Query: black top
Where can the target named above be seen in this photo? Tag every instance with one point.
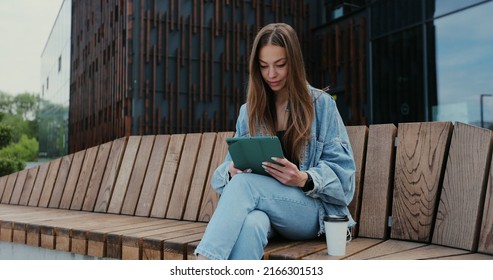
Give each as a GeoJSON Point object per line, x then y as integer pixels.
{"type": "Point", "coordinates": [309, 182]}
{"type": "Point", "coordinates": [287, 153]}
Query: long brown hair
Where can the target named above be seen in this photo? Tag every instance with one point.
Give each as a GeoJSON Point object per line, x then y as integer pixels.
{"type": "Point", "coordinates": [260, 98]}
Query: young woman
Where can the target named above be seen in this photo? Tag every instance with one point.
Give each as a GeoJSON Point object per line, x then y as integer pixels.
{"type": "Point", "coordinates": [317, 177]}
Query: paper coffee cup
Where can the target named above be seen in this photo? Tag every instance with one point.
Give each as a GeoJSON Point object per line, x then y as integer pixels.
{"type": "Point", "coordinates": [336, 228]}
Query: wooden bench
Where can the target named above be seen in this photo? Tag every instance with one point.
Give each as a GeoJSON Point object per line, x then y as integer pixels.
{"type": "Point", "coordinates": [426, 194]}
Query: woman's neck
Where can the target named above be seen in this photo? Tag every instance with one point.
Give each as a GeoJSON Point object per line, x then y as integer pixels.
{"type": "Point", "coordinates": [281, 99]}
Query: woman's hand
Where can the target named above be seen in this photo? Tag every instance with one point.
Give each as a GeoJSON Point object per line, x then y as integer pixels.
{"type": "Point", "coordinates": [233, 171]}
{"type": "Point", "coordinates": [286, 173]}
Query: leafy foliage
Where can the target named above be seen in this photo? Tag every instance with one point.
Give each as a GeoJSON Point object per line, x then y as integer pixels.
{"type": "Point", "coordinates": [26, 149]}
{"type": "Point", "coordinates": [18, 131]}
{"type": "Point", "coordinates": [6, 133]}
{"type": "Point", "coordinates": [8, 166]}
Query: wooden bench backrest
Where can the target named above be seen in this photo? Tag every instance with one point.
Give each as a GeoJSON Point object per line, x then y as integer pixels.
{"type": "Point", "coordinates": [420, 162]}
{"type": "Point", "coordinates": [160, 176]}
{"type": "Point", "coordinates": [461, 203]}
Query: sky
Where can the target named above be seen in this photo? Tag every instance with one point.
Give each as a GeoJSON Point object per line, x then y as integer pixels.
{"type": "Point", "coordinates": [25, 26]}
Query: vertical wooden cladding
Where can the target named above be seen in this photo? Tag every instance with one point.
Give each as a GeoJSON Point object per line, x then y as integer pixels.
{"type": "Point", "coordinates": [98, 72]}
{"type": "Point", "coordinates": [344, 46]}
{"type": "Point", "coordinates": [144, 67]}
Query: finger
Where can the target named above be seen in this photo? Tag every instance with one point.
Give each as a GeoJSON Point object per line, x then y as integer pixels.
{"type": "Point", "coordinates": [281, 161]}
{"type": "Point", "coordinates": [269, 166]}
{"type": "Point", "coordinates": [277, 174]}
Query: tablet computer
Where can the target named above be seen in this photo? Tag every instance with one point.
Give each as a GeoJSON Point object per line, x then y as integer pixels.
{"type": "Point", "coordinates": [250, 152]}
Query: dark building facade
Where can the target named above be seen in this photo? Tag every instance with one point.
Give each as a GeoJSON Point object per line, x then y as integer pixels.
{"type": "Point", "coordinates": [158, 67]}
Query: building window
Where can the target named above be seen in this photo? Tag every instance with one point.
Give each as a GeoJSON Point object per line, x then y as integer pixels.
{"type": "Point", "coordinates": [47, 83]}
{"type": "Point", "coordinates": [335, 9]}
{"type": "Point", "coordinates": [59, 63]}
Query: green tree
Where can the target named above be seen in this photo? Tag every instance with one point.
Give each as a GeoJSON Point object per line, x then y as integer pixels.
{"type": "Point", "coordinates": [6, 133]}
{"type": "Point", "coordinates": [25, 150]}
{"type": "Point", "coordinates": [8, 164]}
{"type": "Point", "coordinates": [26, 105]}
{"type": "Point", "coordinates": [18, 131]}
{"type": "Point", "coordinates": [6, 103]}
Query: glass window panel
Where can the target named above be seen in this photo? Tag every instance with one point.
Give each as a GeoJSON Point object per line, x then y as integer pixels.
{"type": "Point", "coordinates": [398, 80]}
{"type": "Point", "coordinates": [465, 65]}
{"type": "Point", "coordinates": [446, 6]}
{"type": "Point", "coordinates": [390, 15]}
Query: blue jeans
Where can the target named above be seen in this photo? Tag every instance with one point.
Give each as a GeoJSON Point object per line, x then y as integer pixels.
{"type": "Point", "coordinates": [251, 207]}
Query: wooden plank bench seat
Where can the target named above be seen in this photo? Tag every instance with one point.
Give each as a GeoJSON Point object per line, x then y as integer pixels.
{"type": "Point", "coordinates": [423, 191]}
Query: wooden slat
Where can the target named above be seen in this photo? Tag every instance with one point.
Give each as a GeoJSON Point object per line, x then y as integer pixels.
{"type": "Point", "coordinates": [120, 189]}
{"type": "Point", "coordinates": [114, 246]}
{"type": "Point", "coordinates": [165, 186]}
{"type": "Point", "coordinates": [191, 249]}
{"type": "Point", "coordinates": [423, 253]}
{"type": "Point", "coordinates": [70, 229]}
{"type": "Point", "coordinates": [28, 185]}
{"type": "Point", "coordinates": [99, 193]}
{"type": "Point", "coordinates": [3, 182]}
{"type": "Point", "coordinates": [153, 245]}
{"type": "Point", "coordinates": [467, 257]}
{"type": "Point", "coordinates": [385, 248]}
{"type": "Point", "coordinates": [38, 184]}
{"type": "Point", "coordinates": [176, 248]}
{"type": "Point", "coordinates": [27, 220]}
{"type": "Point", "coordinates": [9, 187]}
{"type": "Point", "coordinates": [101, 164]}
{"type": "Point", "coordinates": [84, 179]}
{"type": "Point", "coordinates": [61, 181]}
{"type": "Point", "coordinates": [461, 202]}
{"type": "Point", "coordinates": [99, 239]}
{"type": "Point", "coordinates": [72, 179]}
{"type": "Point", "coordinates": [377, 183]}
{"type": "Point", "coordinates": [184, 176]}
{"type": "Point", "coordinates": [49, 183]}
{"type": "Point", "coordinates": [199, 178]}
{"type": "Point", "coordinates": [276, 244]}
{"type": "Point", "coordinates": [19, 233]}
{"type": "Point", "coordinates": [486, 236]}
{"type": "Point", "coordinates": [357, 137]}
{"type": "Point", "coordinates": [299, 251]}
{"type": "Point", "coordinates": [96, 225]}
{"type": "Point", "coordinates": [18, 187]}
{"type": "Point", "coordinates": [210, 197]}
{"type": "Point", "coordinates": [132, 243]}
{"type": "Point", "coordinates": [355, 246]}
{"type": "Point", "coordinates": [76, 231]}
{"type": "Point", "coordinates": [135, 185]}
{"type": "Point", "coordinates": [5, 231]}
{"type": "Point", "coordinates": [46, 227]}
{"type": "Point", "coordinates": [152, 176]}
{"type": "Point", "coordinates": [419, 166]}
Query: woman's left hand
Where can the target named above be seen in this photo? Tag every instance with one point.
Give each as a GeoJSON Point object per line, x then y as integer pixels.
{"type": "Point", "coordinates": [285, 172]}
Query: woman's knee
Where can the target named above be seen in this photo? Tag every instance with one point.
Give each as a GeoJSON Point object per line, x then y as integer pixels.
{"type": "Point", "coordinates": [256, 228]}
{"type": "Point", "coordinates": [257, 220]}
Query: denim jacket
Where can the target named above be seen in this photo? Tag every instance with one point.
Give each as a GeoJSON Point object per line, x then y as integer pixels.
{"type": "Point", "coordinates": [328, 158]}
